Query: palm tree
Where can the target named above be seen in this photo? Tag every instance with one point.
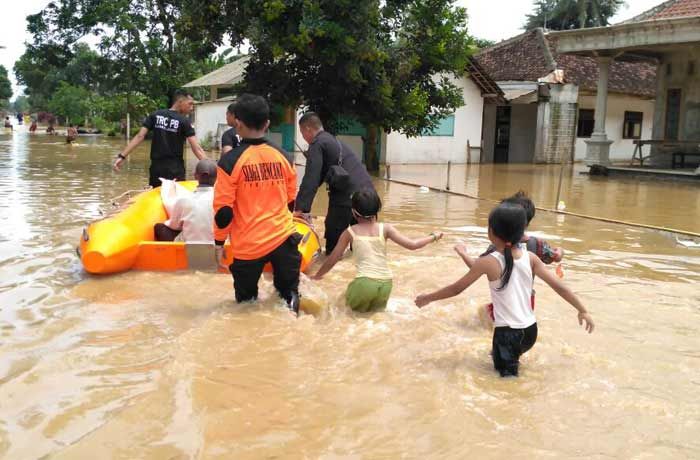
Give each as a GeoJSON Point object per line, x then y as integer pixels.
{"type": "Point", "coordinates": [572, 14]}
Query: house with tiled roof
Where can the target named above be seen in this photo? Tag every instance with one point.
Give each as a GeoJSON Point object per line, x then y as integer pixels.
{"type": "Point", "coordinates": [550, 102]}
{"type": "Point", "coordinates": [669, 34]}
{"type": "Point", "coordinates": [455, 138]}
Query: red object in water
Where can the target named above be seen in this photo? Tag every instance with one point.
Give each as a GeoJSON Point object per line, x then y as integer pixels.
{"type": "Point", "coordinates": [560, 271]}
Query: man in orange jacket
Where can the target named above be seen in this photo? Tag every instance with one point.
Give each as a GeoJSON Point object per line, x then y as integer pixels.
{"type": "Point", "coordinates": [253, 198]}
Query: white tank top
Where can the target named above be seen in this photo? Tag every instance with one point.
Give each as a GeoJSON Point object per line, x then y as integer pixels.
{"type": "Point", "coordinates": [511, 305]}
{"type": "Point", "coordinates": [369, 254]}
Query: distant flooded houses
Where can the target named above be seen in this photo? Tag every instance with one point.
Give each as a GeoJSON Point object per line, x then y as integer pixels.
{"type": "Point", "coordinates": [619, 93]}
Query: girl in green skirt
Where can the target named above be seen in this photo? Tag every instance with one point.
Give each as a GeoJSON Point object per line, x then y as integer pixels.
{"type": "Point", "coordinates": [371, 288]}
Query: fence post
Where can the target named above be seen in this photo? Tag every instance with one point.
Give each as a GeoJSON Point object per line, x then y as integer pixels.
{"type": "Point", "coordinates": [449, 169]}
{"type": "Point", "coordinates": [469, 153]}
{"type": "Point", "coordinates": [388, 172]}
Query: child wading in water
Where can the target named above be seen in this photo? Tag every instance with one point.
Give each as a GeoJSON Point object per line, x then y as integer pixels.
{"type": "Point", "coordinates": [371, 288]}
{"type": "Point", "coordinates": [510, 270]}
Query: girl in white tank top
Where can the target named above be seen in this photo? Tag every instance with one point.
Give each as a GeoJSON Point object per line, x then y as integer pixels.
{"type": "Point", "coordinates": [510, 271]}
{"type": "Point", "coordinates": [371, 288]}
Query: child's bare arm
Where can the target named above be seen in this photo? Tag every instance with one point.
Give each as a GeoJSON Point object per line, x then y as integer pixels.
{"type": "Point", "coordinates": [394, 235]}
{"type": "Point", "coordinates": [564, 292]}
{"type": "Point", "coordinates": [335, 256]}
{"type": "Point", "coordinates": [461, 249]}
{"type": "Point", "coordinates": [455, 288]}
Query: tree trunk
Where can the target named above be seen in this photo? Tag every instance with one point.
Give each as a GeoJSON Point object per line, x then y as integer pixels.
{"type": "Point", "coordinates": [372, 159]}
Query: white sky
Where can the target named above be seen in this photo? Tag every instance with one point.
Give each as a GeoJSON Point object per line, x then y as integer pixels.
{"type": "Point", "coordinates": [491, 19]}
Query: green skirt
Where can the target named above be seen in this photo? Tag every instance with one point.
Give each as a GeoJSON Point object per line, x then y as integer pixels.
{"type": "Point", "coordinates": [368, 294]}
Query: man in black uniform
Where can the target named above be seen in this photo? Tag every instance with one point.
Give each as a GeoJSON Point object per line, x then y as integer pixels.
{"type": "Point", "coordinates": [230, 139]}
{"type": "Point", "coordinates": [324, 152]}
{"type": "Point", "coordinates": [170, 129]}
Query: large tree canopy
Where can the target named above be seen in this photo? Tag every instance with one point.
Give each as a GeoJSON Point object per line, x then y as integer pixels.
{"type": "Point", "coordinates": [387, 64]}
{"type": "Point", "coordinates": [572, 14]}
{"type": "Point", "coordinates": [138, 49]}
{"type": "Point", "coordinates": [5, 87]}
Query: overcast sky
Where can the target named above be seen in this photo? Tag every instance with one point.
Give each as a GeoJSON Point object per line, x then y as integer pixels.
{"type": "Point", "coordinates": [491, 19]}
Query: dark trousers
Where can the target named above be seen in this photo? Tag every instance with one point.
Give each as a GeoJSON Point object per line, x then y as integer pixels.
{"type": "Point", "coordinates": [286, 262]}
{"type": "Point", "coordinates": [155, 175]}
{"type": "Point", "coordinates": [337, 220]}
{"type": "Point", "coordinates": [164, 233]}
{"type": "Point", "coordinates": [508, 345]}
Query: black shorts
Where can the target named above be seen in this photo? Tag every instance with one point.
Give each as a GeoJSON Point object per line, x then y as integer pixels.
{"type": "Point", "coordinates": [508, 345]}
{"type": "Point", "coordinates": [286, 264]}
{"type": "Point", "coordinates": [154, 175]}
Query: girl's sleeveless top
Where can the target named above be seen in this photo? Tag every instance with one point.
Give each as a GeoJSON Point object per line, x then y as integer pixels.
{"type": "Point", "coordinates": [511, 305]}
{"type": "Point", "coordinates": [369, 255]}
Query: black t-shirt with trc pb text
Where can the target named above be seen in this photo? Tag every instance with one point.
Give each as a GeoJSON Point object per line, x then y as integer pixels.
{"type": "Point", "coordinates": [170, 130]}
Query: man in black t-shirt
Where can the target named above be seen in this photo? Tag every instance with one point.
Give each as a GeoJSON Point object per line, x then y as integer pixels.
{"type": "Point", "coordinates": [170, 129]}
{"type": "Point", "coordinates": [230, 140]}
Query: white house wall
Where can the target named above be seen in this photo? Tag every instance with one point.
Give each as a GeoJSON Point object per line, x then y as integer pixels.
{"type": "Point", "coordinates": [440, 149]}
{"type": "Point", "coordinates": [621, 149]}
{"type": "Point", "coordinates": [208, 116]}
{"type": "Point", "coordinates": [354, 142]}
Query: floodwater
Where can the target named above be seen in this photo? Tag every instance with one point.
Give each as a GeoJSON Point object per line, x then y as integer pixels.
{"type": "Point", "coordinates": [154, 366]}
{"type": "Point", "coordinates": [649, 201]}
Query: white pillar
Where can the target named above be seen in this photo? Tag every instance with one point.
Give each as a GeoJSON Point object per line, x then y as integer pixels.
{"type": "Point", "coordinates": [598, 146]}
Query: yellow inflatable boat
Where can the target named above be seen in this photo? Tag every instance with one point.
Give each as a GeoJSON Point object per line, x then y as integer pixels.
{"type": "Point", "coordinates": [125, 241]}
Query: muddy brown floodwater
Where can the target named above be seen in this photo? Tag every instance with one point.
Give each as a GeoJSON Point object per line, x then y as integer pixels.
{"type": "Point", "coordinates": [155, 365]}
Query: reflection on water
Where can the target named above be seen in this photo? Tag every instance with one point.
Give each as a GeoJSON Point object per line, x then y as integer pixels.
{"type": "Point", "coordinates": [150, 365]}
{"type": "Point", "coordinates": [661, 203]}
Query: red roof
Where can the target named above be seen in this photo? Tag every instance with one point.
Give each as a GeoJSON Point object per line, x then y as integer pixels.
{"type": "Point", "coordinates": [670, 9]}
{"type": "Point", "coordinates": [533, 55]}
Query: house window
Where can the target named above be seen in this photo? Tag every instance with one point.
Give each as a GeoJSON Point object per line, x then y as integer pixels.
{"type": "Point", "coordinates": [446, 127]}
{"type": "Point", "coordinates": [632, 128]}
{"type": "Point", "coordinates": [586, 121]}
{"type": "Point", "coordinates": [673, 114]}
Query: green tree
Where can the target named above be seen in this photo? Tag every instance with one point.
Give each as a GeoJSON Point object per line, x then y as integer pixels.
{"type": "Point", "coordinates": [137, 37]}
{"type": "Point", "coordinates": [388, 64]}
{"type": "Point", "coordinates": [21, 104]}
{"type": "Point", "coordinates": [572, 14]}
{"type": "Point", "coordinates": [5, 87]}
{"type": "Point", "coordinates": [70, 102]}
{"type": "Point", "coordinates": [481, 43]}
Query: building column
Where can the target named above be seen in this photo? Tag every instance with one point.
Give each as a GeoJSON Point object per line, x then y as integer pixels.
{"type": "Point", "coordinates": [598, 146]}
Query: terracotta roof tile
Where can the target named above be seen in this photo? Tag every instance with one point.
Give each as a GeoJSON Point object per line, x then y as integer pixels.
{"type": "Point", "coordinates": [525, 58]}
{"type": "Point", "coordinates": [670, 9]}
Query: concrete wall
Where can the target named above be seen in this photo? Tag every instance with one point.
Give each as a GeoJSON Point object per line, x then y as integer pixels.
{"type": "Point", "coordinates": [523, 129]}
{"type": "Point", "coordinates": [489, 132]}
{"type": "Point", "coordinates": [556, 120]}
{"type": "Point", "coordinates": [621, 149]}
{"type": "Point", "coordinates": [207, 117]}
{"type": "Point", "coordinates": [210, 119]}
{"type": "Point", "coordinates": [689, 128]}
{"type": "Point", "coordinates": [440, 149]}
{"type": "Point", "coordinates": [354, 142]}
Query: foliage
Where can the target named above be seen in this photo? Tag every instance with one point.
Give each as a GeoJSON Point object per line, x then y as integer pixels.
{"type": "Point", "coordinates": [572, 14]}
{"type": "Point", "coordinates": [388, 64]}
{"type": "Point", "coordinates": [481, 43]}
{"type": "Point", "coordinates": [112, 108]}
{"type": "Point", "coordinates": [21, 104]}
{"type": "Point", "coordinates": [70, 102]}
{"type": "Point", "coordinates": [138, 51]}
{"type": "Point", "coordinates": [5, 87]}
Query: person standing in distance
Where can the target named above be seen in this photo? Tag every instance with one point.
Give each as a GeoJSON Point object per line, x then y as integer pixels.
{"type": "Point", "coordinates": [170, 129]}
{"type": "Point", "coordinates": [230, 139]}
{"type": "Point", "coordinates": [253, 197]}
{"type": "Point", "coordinates": [324, 152]}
